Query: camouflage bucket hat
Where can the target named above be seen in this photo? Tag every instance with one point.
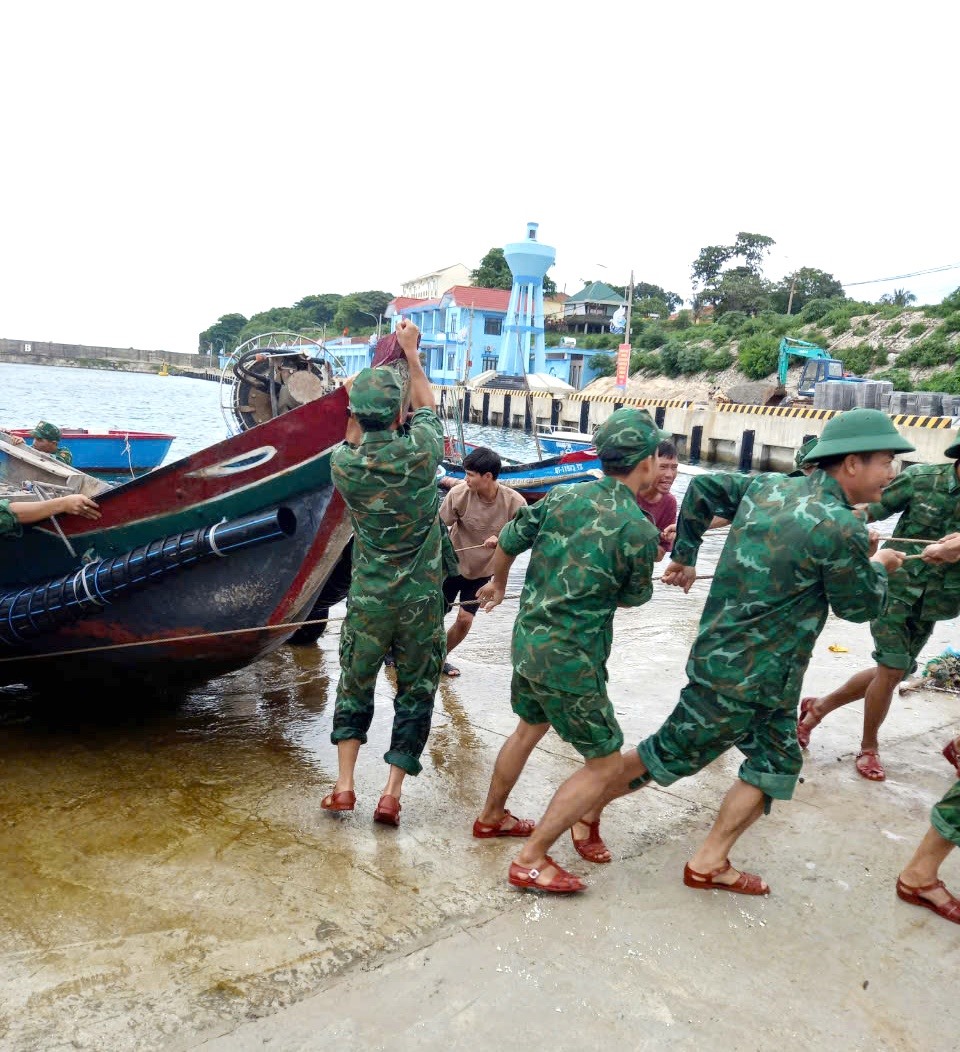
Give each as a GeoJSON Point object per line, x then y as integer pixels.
{"type": "Point", "coordinates": [46, 431]}
{"type": "Point", "coordinates": [627, 436]}
{"type": "Point", "coordinates": [376, 396]}
{"type": "Point", "coordinates": [858, 431]}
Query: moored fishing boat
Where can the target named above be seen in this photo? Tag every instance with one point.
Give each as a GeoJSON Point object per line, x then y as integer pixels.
{"type": "Point", "coordinates": [557, 440]}
{"type": "Point", "coordinates": [111, 450]}
{"type": "Point", "coordinates": [195, 569]}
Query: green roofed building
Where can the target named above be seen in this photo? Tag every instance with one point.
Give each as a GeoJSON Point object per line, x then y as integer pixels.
{"type": "Point", "coordinates": [592, 309]}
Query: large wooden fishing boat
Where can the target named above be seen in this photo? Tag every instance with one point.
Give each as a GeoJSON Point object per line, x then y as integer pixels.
{"type": "Point", "coordinates": [194, 569]}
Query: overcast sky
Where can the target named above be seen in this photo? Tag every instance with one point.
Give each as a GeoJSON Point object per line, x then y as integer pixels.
{"type": "Point", "coordinates": [164, 164]}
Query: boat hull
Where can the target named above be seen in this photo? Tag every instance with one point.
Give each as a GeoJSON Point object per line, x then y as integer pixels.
{"type": "Point", "coordinates": [217, 615]}
{"type": "Point", "coordinates": [112, 451]}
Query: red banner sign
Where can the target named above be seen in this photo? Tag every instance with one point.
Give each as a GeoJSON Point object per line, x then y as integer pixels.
{"type": "Point", "coordinates": [623, 364]}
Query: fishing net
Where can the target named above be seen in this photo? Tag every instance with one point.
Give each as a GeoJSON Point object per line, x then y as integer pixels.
{"type": "Point", "coordinates": [944, 670]}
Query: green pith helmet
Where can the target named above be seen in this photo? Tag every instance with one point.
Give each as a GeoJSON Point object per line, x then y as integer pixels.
{"type": "Point", "coordinates": [858, 431]}
{"type": "Point", "coordinates": [628, 436]}
{"type": "Point", "coordinates": [376, 397]}
{"type": "Point", "coordinates": [953, 451]}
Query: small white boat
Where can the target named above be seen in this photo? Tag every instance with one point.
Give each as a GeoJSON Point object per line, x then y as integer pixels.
{"type": "Point", "coordinates": [556, 440]}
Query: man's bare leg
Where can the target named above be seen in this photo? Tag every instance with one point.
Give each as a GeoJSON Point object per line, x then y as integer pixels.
{"type": "Point", "coordinates": [458, 631]}
{"type": "Point", "coordinates": [395, 779]}
{"type": "Point", "coordinates": [510, 762]}
{"type": "Point", "coordinates": [347, 753]}
{"type": "Point", "coordinates": [580, 792]}
{"type": "Point", "coordinates": [876, 702]}
{"type": "Point", "coordinates": [633, 769]}
{"type": "Point", "coordinates": [924, 867]}
{"type": "Point", "coordinates": [855, 688]}
{"type": "Point", "coordinates": [741, 807]}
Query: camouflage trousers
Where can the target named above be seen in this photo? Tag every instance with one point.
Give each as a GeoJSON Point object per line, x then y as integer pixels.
{"type": "Point", "coordinates": [413, 629]}
{"type": "Point", "coordinates": [705, 724]}
{"type": "Point", "coordinates": [945, 816]}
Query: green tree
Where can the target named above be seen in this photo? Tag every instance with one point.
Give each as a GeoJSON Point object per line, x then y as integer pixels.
{"type": "Point", "coordinates": [223, 336]}
{"type": "Point", "coordinates": [741, 287]}
{"type": "Point", "coordinates": [321, 307]}
{"type": "Point", "coordinates": [360, 310]}
{"type": "Point", "coordinates": [899, 298]}
{"type": "Point", "coordinates": [494, 273]}
{"type": "Point", "coordinates": [807, 284]}
{"type": "Point", "coordinates": [602, 364]}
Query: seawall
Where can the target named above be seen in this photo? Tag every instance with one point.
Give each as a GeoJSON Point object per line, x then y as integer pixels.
{"type": "Point", "coordinates": [123, 359]}
{"type": "Point", "coordinates": [762, 438]}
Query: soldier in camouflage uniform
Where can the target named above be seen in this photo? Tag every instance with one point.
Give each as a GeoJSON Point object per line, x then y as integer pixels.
{"type": "Point", "coordinates": [928, 498]}
{"type": "Point", "coordinates": [388, 481]}
{"type": "Point", "coordinates": [46, 439]}
{"type": "Point", "coordinates": [795, 550]}
{"type": "Point", "coordinates": [919, 883]}
{"type": "Point", "coordinates": [14, 515]}
{"type": "Point", "coordinates": [591, 549]}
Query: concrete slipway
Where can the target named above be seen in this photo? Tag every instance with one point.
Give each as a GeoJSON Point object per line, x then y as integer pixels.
{"type": "Point", "coordinates": [169, 882]}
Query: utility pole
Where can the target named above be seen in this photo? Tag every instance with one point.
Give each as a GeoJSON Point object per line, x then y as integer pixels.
{"type": "Point", "coordinates": [793, 285]}
{"type": "Point", "coordinates": [630, 307]}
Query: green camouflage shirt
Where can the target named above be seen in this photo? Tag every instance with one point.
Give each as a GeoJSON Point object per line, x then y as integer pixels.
{"type": "Point", "coordinates": [389, 484]}
{"type": "Point", "coordinates": [795, 550]}
{"type": "Point", "coordinates": [928, 496]}
{"type": "Point", "coordinates": [9, 523]}
{"type": "Point", "coordinates": [592, 550]}
{"type": "Point", "coordinates": [64, 455]}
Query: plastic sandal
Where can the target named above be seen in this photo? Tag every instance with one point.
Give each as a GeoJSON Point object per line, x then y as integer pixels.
{"type": "Point", "coordinates": [951, 755]}
{"type": "Point", "coordinates": [345, 801]}
{"type": "Point", "coordinates": [450, 670]}
{"type": "Point", "coordinates": [520, 827]}
{"type": "Point", "coordinates": [805, 730]}
{"type": "Point", "coordinates": [592, 847]}
{"type": "Point", "coordinates": [871, 768]}
{"type": "Point", "coordinates": [948, 910]}
{"type": "Point", "coordinates": [745, 884]}
{"type": "Point", "coordinates": [561, 883]}
{"type": "Point", "coordinates": [387, 811]}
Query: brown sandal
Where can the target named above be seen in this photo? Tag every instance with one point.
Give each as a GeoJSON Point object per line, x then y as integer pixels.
{"type": "Point", "coordinates": [592, 847]}
{"type": "Point", "coordinates": [520, 827]}
{"type": "Point", "coordinates": [560, 883]}
{"type": "Point", "coordinates": [745, 884]}
{"type": "Point", "coordinates": [948, 910]}
{"type": "Point", "coordinates": [343, 801]}
{"type": "Point", "coordinates": [387, 811]}
{"type": "Point", "coordinates": [870, 768]}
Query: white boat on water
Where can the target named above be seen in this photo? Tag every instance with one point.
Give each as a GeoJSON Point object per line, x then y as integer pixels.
{"type": "Point", "coordinates": [556, 440]}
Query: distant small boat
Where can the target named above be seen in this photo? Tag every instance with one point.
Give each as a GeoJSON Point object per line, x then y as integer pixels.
{"type": "Point", "coordinates": [532, 481]}
{"type": "Point", "coordinates": [111, 450]}
{"type": "Point", "coordinates": [556, 440]}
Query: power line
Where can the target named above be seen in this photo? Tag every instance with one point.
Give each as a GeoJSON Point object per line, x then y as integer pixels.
{"type": "Point", "coordinates": [898, 277]}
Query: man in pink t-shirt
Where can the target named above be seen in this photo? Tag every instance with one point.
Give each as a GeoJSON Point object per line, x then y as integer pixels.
{"type": "Point", "coordinates": [659, 503]}
{"type": "Point", "coordinates": [475, 510]}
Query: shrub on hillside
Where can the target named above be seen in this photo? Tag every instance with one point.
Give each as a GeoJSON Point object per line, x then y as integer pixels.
{"type": "Point", "coordinates": [862, 358]}
{"type": "Point", "coordinates": [918, 328]}
{"type": "Point", "coordinates": [900, 378]}
{"type": "Point", "coordinates": [648, 362]}
{"type": "Point", "coordinates": [949, 304]}
{"type": "Point", "coordinates": [934, 350]}
{"type": "Point", "coordinates": [683, 320]}
{"type": "Point", "coordinates": [717, 361]}
{"type": "Point", "coordinates": [894, 327]}
{"type": "Point", "coordinates": [951, 323]}
{"type": "Point", "coordinates": [815, 310]}
{"type": "Point", "coordinates": [651, 337]}
{"type": "Point", "coordinates": [757, 356]}
{"type": "Point", "coordinates": [945, 380]}
{"type": "Point", "coordinates": [670, 358]}
{"type": "Point", "coordinates": [689, 359]}
{"type": "Point", "coordinates": [602, 364]}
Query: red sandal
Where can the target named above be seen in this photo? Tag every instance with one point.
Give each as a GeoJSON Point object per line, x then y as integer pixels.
{"type": "Point", "coordinates": [387, 811]}
{"type": "Point", "coordinates": [870, 768]}
{"type": "Point", "coordinates": [745, 884]}
{"type": "Point", "coordinates": [560, 883]}
{"type": "Point", "coordinates": [805, 730]}
{"type": "Point", "coordinates": [948, 910]}
{"type": "Point", "coordinates": [951, 756]}
{"type": "Point", "coordinates": [344, 801]}
{"type": "Point", "coordinates": [592, 847]}
{"type": "Point", "coordinates": [520, 827]}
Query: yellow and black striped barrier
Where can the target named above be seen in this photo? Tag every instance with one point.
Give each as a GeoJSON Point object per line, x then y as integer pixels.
{"type": "Point", "coordinates": [776, 410]}
{"type": "Point", "coordinates": [667, 403]}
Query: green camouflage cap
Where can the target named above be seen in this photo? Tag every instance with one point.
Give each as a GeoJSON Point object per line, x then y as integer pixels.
{"type": "Point", "coordinates": [628, 436]}
{"type": "Point", "coordinates": [858, 431]}
{"type": "Point", "coordinates": [803, 451]}
{"type": "Point", "coordinates": [48, 432]}
{"type": "Point", "coordinates": [375, 397]}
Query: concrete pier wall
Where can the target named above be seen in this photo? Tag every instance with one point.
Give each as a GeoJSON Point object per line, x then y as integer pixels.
{"type": "Point", "coordinates": [713, 433]}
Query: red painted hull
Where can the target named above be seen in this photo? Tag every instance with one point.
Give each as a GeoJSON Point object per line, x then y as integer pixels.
{"type": "Point", "coordinates": [217, 615]}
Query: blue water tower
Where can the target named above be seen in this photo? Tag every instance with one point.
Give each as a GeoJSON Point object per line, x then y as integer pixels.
{"type": "Point", "coordinates": [528, 261]}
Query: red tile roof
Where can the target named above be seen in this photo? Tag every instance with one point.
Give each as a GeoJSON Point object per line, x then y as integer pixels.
{"type": "Point", "coordinates": [402, 302]}
{"type": "Point", "coordinates": [481, 299]}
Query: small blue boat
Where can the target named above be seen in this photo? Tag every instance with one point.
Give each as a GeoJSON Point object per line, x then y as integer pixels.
{"type": "Point", "coordinates": [111, 451]}
{"type": "Point", "coordinates": [557, 440]}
